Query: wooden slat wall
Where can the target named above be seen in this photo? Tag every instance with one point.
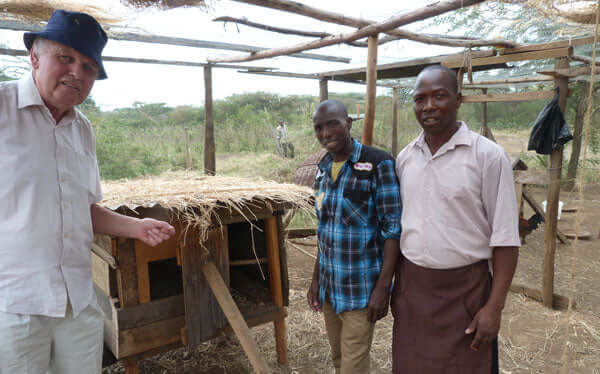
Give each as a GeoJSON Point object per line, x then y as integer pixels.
{"type": "Point", "coordinates": [203, 315]}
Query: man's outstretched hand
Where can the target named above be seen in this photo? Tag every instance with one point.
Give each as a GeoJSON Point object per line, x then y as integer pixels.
{"type": "Point", "coordinates": [152, 231]}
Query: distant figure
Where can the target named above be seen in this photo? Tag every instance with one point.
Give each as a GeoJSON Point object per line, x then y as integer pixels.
{"type": "Point", "coordinates": [50, 321]}
{"type": "Point", "coordinates": [283, 139]}
{"type": "Point", "coordinates": [459, 214]}
{"type": "Point", "coordinates": [357, 201]}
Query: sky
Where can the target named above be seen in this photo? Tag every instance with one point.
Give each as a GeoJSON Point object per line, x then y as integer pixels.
{"type": "Point", "coordinates": [177, 85]}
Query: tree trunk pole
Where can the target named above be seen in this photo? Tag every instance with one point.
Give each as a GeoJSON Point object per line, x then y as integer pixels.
{"type": "Point", "coordinates": [485, 130]}
{"type": "Point", "coordinates": [577, 132]}
{"type": "Point", "coordinates": [554, 175]}
{"type": "Point", "coordinates": [323, 90]}
{"type": "Point", "coordinates": [367, 136]}
{"type": "Point", "coordinates": [209, 130]}
{"type": "Point", "coordinates": [395, 122]}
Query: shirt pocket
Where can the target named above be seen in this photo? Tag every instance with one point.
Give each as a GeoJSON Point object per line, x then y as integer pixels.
{"type": "Point", "coordinates": [355, 206]}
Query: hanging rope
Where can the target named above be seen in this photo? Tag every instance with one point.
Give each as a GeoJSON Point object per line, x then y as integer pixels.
{"type": "Point", "coordinates": [586, 138]}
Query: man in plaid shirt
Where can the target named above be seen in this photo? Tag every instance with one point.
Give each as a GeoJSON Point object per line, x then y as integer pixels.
{"type": "Point", "coordinates": [357, 200]}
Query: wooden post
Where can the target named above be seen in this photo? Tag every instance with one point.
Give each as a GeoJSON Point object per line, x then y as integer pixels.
{"type": "Point", "coordinates": [131, 365]}
{"type": "Point", "coordinates": [209, 130]}
{"type": "Point", "coordinates": [323, 91]}
{"type": "Point", "coordinates": [276, 289]}
{"type": "Point", "coordinates": [188, 156]}
{"type": "Point", "coordinates": [234, 316]}
{"type": "Point", "coordinates": [395, 122]}
{"type": "Point", "coordinates": [357, 110]}
{"type": "Point", "coordinates": [485, 130]}
{"type": "Point", "coordinates": [554, 175]}
{"type": "Point", "coordinates": [367, 135]}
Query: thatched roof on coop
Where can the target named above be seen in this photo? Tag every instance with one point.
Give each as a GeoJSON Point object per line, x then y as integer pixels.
{"type": "Point", "coordinates": [203, 201]}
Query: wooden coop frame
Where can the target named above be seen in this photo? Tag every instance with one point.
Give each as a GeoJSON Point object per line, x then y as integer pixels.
{"type": "Point", "coordinates": [147, 313]}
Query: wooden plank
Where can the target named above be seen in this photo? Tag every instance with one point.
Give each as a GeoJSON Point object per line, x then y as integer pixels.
{"type": "Point", "coordinates": [323, 90]}
{"type": "Point", "coordinates": [285, 279]}
{"type": "Point", "coordinates": [367, 134]}
{"type": "Point", "coordinates": [127, 273]}
{"type": "Point", "coordinates": [203, 316]}
{"type": "Point", "coordinates": [568, 73]}
{"type": "Point", "coordinates": [251, 261]}
{"type": "Point", "coordinates": [144, 254]}
{"type": "Point", "coordinates": [518, 96]}
{"type": "Point", "coordinates": [429, 11]}
{"type": "Point", "coordinates": [534, 55]}
{"type": "Point", "coordinates": [394, 121]}
{"type": "Point", "coordinates": [209, 131]}
{"type": "Point", "coordinates": [154, 311]}
{"type": "Point", "coordinates": [21, 52]}
{"type": "Point", "coordinates": [559, 302]}
{"type": "Point", "coordinates": [550, 45]}
{"type": "Point", "coordinates": [551, 219]}
{"type": "Point", "coordinates": [530, 177]}
{"type": "Point", "coordinates": [131, 365]}
{"type": "Point", "coordinates": [256, 316]}
{"type": "Point", "coordinates": [271, 234]}
{"type": "Point", "coordinates": [154, 335]}
{"type": "Point", "coordinates": [157, 39]}
{"type": "Point", "coordinates": [111, 330]}
{"type": "Point", "coordinates": [235, 318]}
{"type": "Point", "coordinates": [519, 194]}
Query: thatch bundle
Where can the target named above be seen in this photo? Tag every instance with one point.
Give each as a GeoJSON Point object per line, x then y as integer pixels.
{"type": "Point", "coordinates": [196, 199]}
{"type": "Point", "coordinates": [40, 10]}
{"type": "Point", "coordinates": [37, 11]}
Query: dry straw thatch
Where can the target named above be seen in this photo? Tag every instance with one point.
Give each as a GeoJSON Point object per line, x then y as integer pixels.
{"type": "Point", "coordinates": [196, 199]}
{"type": "Point", "coordinates": [37, 11]}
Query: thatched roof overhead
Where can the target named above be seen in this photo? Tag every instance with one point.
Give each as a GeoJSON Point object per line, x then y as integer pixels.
{"type": "Point", "coordinates": [37, 11]}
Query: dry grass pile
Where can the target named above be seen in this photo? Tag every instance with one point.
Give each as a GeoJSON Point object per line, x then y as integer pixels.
{"type": "Point", "coordinates": [197, 199]}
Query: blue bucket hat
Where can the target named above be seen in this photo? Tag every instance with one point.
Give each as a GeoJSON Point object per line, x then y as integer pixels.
{"type": "Point", "coordinates": [79, 31]}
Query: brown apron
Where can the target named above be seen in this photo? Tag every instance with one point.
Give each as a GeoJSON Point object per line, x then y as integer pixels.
{"type": "Point", "coordinates": [432, 308]}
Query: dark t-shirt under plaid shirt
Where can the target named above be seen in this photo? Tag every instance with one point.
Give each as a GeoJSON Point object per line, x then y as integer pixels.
{"type": "Point", "coordinates": [357, 212]}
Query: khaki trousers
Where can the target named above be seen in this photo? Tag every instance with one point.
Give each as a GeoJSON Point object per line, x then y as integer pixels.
{"type": "Point", "coordinates": [350, 336]}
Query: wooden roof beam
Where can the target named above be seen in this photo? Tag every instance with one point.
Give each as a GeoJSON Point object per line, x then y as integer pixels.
{"type": "Point", "coordinates": [156, 39]}
{"type": "Point", "coordinates": [340, 19]}
{"type": "Point", "coordinates": [423, 38]}
{"type": "Point", "coordinates": [372, 29]}
{"type": "Point", "coordinates": [310, 76]}
{"type": "Point", "coordinates": [18, 52]}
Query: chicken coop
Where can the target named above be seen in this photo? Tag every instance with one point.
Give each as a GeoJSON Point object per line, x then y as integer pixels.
{"type": "Point", "coordinates": [225, 266]}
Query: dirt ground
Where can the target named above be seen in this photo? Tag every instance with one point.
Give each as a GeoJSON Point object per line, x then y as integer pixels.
{"type": "Point", "coordinates": [532, 339]}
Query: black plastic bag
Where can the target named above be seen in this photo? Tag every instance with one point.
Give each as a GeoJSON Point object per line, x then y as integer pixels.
{"type": "Point", "coordinates": [550, 131]}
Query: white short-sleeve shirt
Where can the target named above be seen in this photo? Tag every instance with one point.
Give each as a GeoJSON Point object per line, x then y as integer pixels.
{"type": "Point", "coordinates": [457, 204]}
{"type": "Point", "coordinates": [50, 179]}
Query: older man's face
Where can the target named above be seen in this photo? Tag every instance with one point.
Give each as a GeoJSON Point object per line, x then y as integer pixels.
{"type": "Point", "coordinates": [63, 76]}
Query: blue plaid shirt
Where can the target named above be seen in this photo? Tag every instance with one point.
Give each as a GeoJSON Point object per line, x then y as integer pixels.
{"type": "Point", "coordinates": [356, 213]}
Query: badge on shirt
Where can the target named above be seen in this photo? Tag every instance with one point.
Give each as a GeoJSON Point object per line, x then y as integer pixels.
{"type": "Point", "coordinates": [363, 166]}
{"type": "Point", "coordinates": [319, 200]}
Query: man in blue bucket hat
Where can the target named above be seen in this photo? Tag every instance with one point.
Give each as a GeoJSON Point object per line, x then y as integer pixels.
{"type": "Point", "coordinates": [49, 316]}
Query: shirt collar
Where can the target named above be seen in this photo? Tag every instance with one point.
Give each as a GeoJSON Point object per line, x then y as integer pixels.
{"type": "Point", "coordinates": [460, 137]}
{"type": "Point", "coordinates": [28, 92]}
{"type": "Point", "coordinates": [354, 157]}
